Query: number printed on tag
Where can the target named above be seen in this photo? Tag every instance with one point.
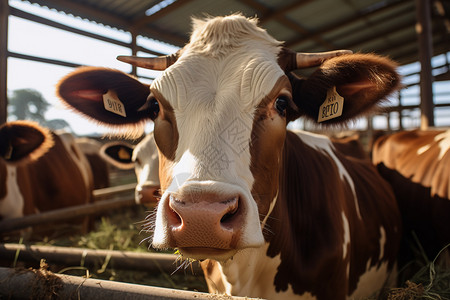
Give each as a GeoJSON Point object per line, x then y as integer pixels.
{"type": "Point", "coordinates": [113, 104]}
{"type": "Point", "coordinates": [331, 107]}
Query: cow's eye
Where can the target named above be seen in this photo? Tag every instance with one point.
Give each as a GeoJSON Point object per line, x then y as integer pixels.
{"type": "Point", "coordinates": [153, 108]}
{"type": "Point", "coordinates": [281, 104]}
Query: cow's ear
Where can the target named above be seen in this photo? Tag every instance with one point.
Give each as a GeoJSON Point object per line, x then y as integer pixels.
{"type": "Point", "coordinates": [362, 80]}
{"type": "Point", "coordinates": [118, 154]}
{"type": "Point", "coordinates": [24, 141]}
{"type": "Point", "coordinates": [105, 95]}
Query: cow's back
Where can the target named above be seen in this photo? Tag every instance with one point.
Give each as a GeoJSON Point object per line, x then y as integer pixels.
{"type": "Point", "coordinates": [416, 164]}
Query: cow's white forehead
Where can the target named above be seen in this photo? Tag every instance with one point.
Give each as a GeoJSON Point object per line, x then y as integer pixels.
{"type": "Point", "coordinates": [214, 95]}
{"type": "Point", "coordinates": [228, 58]}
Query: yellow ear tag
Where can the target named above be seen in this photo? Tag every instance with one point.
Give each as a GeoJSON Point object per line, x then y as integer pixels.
{"type": "Point", "coordinates": [331, 107]}
{"type": "Point", "coordinates": [113, 104]}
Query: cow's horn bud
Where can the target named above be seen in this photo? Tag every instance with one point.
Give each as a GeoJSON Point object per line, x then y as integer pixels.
{"type": "Point", "coordinates": [159, 63]}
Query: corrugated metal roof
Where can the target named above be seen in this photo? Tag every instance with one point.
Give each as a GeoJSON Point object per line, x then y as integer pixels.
{"type": "Point", "coordinates": [383, 26]}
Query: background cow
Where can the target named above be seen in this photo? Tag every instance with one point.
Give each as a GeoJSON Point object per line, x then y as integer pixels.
{"type": "Point", "coordinates": [284, 214]}
{"type": "Point", "coordinates": [58, 178]}
{"type": "Point", "coordinates": [417, 165]}
{"type": "Point", "coordinates": [144, 158]}
{"type": "Point", "coordinates": [350, 145]}
{"type": "Point", "coordinates": [21, 143]}
{"type": "Point", "coordinates": [99, 167]}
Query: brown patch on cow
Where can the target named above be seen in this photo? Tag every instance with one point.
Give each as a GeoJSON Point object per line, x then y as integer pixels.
{"type": "Point", "coordinates": [308, 221]}
{"type": "Point", "coordinates": [267, 140]}
{"type": "Point", "coordinates": [100, 170]}
{"type": "Point", "coordinates": [166, 138]}
{"type": "Point", "coordinates": [54, 181]}
{"type": "Point", "coordinates": [378, 207]}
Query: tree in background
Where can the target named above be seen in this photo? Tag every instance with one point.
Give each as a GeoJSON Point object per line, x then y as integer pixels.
{"type": "Point", "coordinates": [28, 104]}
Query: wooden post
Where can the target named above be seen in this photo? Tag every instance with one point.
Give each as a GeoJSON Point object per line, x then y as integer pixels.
{"type": "Point", "coordinates": [423, 29]}
{"type": "Point", "coordinates": [42, 284]}
{"type": "Point", "coordinates": [133, 50]}
{"type": "Point", "coordinates": [63, 214]}
{"type": "Point", "coordinates": [400, 111]}
{"type": "Point", "coordinates": [125, 260]}
{"type": "Point", "coordinates": [4, 13]}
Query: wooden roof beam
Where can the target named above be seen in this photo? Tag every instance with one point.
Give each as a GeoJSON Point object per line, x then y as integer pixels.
{"type": "Point", "coordinates": [355, 18]}
{"type": "Point", "coordinates": [280, 15]}
{"type": "Point", "coordinates": [85, 11]}
{"type": "Point", "coordinates": [141, 22]}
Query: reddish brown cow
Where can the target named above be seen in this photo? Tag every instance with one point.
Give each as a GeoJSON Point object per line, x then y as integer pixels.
{"type": "Point", "coordinates": [417, 165]}
{"type": "Point", "coordinates": [59, 178]}
{"type": "Point", "coordinates": [284, 215]}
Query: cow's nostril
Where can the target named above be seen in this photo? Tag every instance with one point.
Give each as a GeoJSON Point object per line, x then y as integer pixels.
{"type": "Point", "coordinates": [174, 217]}
{"type": "Point", "coordinates": [231, 212]}
{"type": "Point", "coordinates": [157, 194]}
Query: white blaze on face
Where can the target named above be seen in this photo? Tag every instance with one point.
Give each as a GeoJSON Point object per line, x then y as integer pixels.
{"type": "Point", "coordinates": [214, 101]}
{"type": "Point", "coordinates": [12, 205]}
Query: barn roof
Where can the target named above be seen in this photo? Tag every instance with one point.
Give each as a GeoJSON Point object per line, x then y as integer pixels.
{"type": "Point", "coordinates": [386, 27]}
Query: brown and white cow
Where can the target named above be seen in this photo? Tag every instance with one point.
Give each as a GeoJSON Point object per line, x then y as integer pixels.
{"type": "Point", "coordinates": [417, 165]}
{"type": "Point", "coordinates": [55, 178]}
{"type": "Point", "coordinates": [21, 143]}
{"type": "Point", "coordinates": [284, 215]}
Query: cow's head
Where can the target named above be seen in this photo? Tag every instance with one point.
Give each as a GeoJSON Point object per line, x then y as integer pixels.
{"type": "Point", "coordinates": [220, 111]}
{"type": "Point", "coordinates": [21, 142]}
{"type": "Point", "coordinates": [144, 158]}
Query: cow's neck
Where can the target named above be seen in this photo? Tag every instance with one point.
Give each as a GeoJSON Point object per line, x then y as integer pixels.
{"type": "Point", "coordinates": [256, 271]}
{"type": "Point", "coordinates": [251, 272]}
{"type": "Point", "coordinates": [303, 231]}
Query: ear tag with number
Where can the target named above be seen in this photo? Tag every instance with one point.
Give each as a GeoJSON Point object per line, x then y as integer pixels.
{"type": "Point", "coordinates": [113, 104]}
{"type": "Point", "coordinates": [331, 107]}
